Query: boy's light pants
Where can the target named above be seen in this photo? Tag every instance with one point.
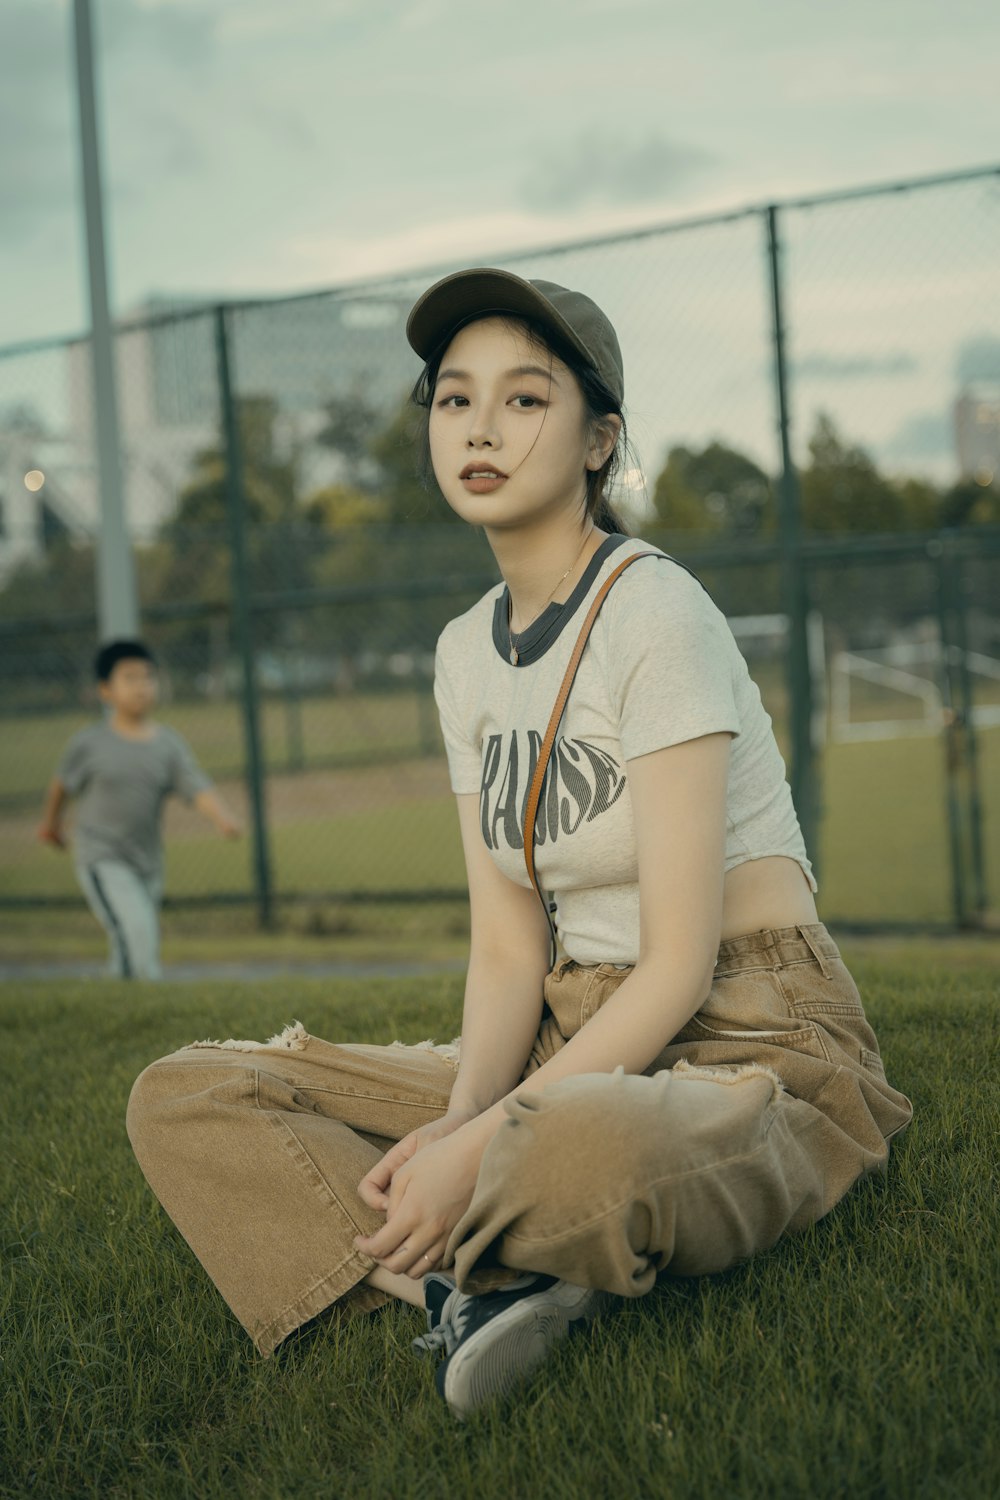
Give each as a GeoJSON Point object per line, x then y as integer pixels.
{"type": "Point", "coordinates": [128, 908]}
{"type": "Point", "coordinates": [756, 1119]}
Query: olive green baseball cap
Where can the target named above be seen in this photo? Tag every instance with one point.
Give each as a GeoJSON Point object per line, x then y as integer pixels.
{"type": "Point", "coordinates": [465, 295]}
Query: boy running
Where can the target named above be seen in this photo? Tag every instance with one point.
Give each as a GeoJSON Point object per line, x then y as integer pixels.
{"type": "Point", "coordinates": [123, 769]}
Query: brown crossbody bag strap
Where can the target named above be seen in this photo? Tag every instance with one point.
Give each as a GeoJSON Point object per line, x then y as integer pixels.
{"type": "Point", "coordinates": [545, 753]}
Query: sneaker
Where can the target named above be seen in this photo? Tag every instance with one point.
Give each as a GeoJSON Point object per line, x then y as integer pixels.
{"type": "Point", "coordinates": [438, 1287]}
{"type": "Point", "coordinates": [494, 1340]}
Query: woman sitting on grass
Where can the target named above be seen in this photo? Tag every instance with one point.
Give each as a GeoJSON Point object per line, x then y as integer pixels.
{"type": "Point", "coordinates": [695, 1075]}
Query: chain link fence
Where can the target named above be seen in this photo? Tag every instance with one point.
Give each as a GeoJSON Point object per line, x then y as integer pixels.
{"type": "Point", "coordinates": [828, 459]}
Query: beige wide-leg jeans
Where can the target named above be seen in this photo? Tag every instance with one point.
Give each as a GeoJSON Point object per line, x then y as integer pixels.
{"type": "Point", "coordinates": [756, 1119]}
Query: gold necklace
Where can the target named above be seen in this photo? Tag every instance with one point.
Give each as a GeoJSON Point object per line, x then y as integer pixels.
{"type": "Point", "coordinates": [514, 657]}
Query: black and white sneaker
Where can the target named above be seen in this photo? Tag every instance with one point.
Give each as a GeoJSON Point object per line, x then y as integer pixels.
{"type": "Point", "coordinates": [494, 1340]}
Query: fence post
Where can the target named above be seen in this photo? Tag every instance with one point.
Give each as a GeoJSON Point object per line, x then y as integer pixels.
{"type": "Point", "coordinates": [794, 579]}
{"type": "Point", "coordinates": [286, 538]}
{"type": "Point", "coordinates": [964, 812]}
{"type": "Point", "coordinates": [117, 596]}
{"type": "Point", "coordinates": [967, 699]}
{"type": "Point", "coordinates": [235, 511]}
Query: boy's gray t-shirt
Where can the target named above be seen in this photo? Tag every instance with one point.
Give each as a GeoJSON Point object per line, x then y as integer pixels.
{"type": "Point", "coordinates": [122, 785]}
{"type": "Point", "coordinates": [661, 667]}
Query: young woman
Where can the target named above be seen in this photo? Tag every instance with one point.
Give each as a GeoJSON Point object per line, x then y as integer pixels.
{"type": "Point", "coordinates": [692, 1078]}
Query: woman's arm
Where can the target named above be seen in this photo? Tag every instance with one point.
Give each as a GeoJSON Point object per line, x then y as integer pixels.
{"type": "Point", "coordinates": [679, 807]}
{"type": "Point", "coordinates": [508, 961]}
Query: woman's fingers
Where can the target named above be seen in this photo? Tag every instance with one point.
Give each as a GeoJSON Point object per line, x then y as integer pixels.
{"type": "Point", "coordinates": [372, 1193]}
{"type": "Point", "coordinates": [414, 1260]}
{"type": "Point", "coordinates": [384, 1243]}
{"type": "Point", "coordinates": [374, 1186]}
{"type": "Point", "coordinates": [426, 1200]}
{"type": "Point", "coordinates": [412, 1247]}
{"type": "Point", "coordinates": [428, 1260]}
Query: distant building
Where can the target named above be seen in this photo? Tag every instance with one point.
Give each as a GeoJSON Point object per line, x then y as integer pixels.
{"type": "Point", "coordinates": [977, 431]}
{"type": "Point", "coordinates": [298, 352]}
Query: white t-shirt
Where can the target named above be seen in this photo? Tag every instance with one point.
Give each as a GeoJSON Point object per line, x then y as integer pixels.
{"type": "Point", "coordinates": [661, 666]}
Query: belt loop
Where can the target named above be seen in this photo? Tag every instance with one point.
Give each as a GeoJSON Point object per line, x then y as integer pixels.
{"type": "Point", "coordinates": [816, 952]}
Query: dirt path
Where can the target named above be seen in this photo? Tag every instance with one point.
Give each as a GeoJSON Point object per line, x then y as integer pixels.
{"type": "Point", "coordinates": [305, 797]}
{"type": "Point", "coordinates": [184, 973]}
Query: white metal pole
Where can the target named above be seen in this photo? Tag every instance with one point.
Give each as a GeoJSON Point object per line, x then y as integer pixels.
{"type": "Point", "coordinates": [118, 611]}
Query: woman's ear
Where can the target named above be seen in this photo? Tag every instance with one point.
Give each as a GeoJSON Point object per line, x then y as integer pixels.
{"type": "Point", "coordinates": [604, 432]}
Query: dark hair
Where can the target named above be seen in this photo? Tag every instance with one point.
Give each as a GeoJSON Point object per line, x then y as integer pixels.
{"type": "Point", "coordinates": [112, 652]}
{"type": "Point", "coordinates": [597, 399]}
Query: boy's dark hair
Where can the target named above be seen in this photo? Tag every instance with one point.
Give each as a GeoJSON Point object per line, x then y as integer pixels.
{"type": "Point", "coordinates": [112, 652]}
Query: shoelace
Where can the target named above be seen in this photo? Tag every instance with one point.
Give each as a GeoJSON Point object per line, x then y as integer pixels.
{"type": "Point", "coordinates": [451, 1326]}
{"type": "Point", "coordinates": [458, 1311]}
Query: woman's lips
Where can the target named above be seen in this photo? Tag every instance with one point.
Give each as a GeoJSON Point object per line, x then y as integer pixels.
{"type": "Point", "coordinates": [484, 484]}
{"type": "Point", "coordinates": [481, 479]}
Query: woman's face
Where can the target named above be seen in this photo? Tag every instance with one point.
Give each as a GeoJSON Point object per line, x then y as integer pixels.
{"type": "Point", "coordinates": [509, 432]}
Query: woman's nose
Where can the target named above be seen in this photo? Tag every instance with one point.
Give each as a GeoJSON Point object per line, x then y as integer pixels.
{"type": "Point", "coordinates": [483, 430]}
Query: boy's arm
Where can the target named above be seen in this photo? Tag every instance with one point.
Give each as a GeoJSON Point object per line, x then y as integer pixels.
{"type": "Point", "coordinates": [69, 779]}
{"type": "Point", "coordinates": [211, 806]}
{"type": "Point", "coordinates": [50, 828]}
{"type": "Point", "coordinates": [191, 783]}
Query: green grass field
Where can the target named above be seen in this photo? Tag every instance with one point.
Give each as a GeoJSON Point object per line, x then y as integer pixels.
{"type": "Point", "coordinates": [348, 729]}
{"type": "Point", "coordinates": [303, 934]}
{"type": "Point", "coordinates": [883, 849]}
{"type": "Point", "coordinates": [855, 1360]}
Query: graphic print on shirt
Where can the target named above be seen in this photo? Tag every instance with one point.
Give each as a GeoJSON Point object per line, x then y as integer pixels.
{"type": "Point", "coordinates": [581, 782]}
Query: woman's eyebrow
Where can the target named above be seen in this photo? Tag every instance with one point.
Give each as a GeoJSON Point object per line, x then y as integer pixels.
{"type": "Point", "coordinates": [508, 374]}
{"type": "Point", "coordinates": [534, 370]}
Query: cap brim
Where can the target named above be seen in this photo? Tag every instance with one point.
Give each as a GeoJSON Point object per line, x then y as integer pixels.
{"type": "Point", "coordinates": [452, 301]}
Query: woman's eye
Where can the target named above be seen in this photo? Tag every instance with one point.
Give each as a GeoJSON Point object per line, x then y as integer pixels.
{"type": "Point", "coordinates": [453, 401]}
{"type": "Point", "coordinates": [525, 402]}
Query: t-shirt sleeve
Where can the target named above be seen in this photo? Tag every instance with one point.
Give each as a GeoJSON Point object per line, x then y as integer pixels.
{"type": "Point", "coordinates": [187, 778]}
{"type": "Point", "coordinates": [672, 661]}
{"type": "Point", "coordinates": [464, 755]}
{"type": "Point", "coordinates": [76, 763]}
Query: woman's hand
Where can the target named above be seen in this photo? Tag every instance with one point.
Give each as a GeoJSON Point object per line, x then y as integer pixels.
{"type": "Point", "coordinates": [427, 1195]}
{"type": "Point", "coordinates": [374, 1188]}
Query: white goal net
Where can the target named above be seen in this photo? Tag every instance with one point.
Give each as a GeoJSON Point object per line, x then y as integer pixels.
{"type": "Point", "coordinates": [884, 693]}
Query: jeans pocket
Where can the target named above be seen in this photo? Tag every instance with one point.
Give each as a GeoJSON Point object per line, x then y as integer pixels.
{"type": "Point", "coordinates": [574, 993]}
{"type": "Point", "coordinates": [754, 1044]}
{"type": "Point", "coordinates": [809, 991]}
{"type": "Point", "coordinates": [747, 1014]}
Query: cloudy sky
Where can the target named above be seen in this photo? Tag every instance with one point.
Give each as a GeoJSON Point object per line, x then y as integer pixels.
{"type": "Point", "coordinates": [251, 145]}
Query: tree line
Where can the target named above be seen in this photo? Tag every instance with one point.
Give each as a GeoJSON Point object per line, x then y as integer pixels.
{"type": "Point", "coordinates": [382, 519]}
{"type": "Point", "coordinates": [718, 493]}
